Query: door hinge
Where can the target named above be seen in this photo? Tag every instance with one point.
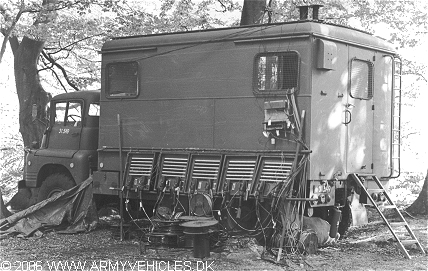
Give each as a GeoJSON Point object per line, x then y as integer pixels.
{"type": "Point", "coordinates": [371, 166]}
{"type": "Point", "coordinates": [374, 58]}
{"type": "Point", "coordinates": [372, 106]}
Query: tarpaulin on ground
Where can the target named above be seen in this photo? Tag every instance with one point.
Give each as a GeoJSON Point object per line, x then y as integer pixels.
{"type": "Point", "coordinates": [70, 211]}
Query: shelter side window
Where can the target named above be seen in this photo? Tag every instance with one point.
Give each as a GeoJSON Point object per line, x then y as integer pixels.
{"type": "Point", "coordinates": [122, 79]}
{"type": "Point", "coordinates": [361, 81]}
{"type": "Point", "coordinates": [68, 114]}
{"type": "Point", "coordinates": [276, 71]}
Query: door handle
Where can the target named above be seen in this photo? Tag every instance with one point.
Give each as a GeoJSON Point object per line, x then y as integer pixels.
{"type": "Point", "coordinates": [75, 134]}
{"type": "Point", "coordinates": [348, 117]}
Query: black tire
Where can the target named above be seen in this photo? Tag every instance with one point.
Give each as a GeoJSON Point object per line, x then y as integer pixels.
{"type": "Point", "coordinates": [54, 184]}
{"type": "Point", "coordinates": [20, 200]}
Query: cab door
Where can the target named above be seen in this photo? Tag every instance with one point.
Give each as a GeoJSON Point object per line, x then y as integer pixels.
{"type": "Point", "coordinates": [359, 114]}
{"type": "Point", "coordinates": [66, 126]}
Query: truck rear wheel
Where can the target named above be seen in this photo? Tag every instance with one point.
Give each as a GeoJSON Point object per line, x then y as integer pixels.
{"type": "Point", "coordinates": [53, 185]}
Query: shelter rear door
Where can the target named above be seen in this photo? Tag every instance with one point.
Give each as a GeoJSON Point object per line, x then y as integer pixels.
{"type": "Point", "coordinates": [359, 112]}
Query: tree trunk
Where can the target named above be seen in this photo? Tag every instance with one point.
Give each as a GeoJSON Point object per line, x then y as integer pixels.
{"type": "Point", "coordinates": [420, 205]}
{"type": "Point", "coordinates": [29, 90]}
{"type": "Point", "coordinates": [31, 94]}
{"type": "Point", "coordinates": [252, 11]}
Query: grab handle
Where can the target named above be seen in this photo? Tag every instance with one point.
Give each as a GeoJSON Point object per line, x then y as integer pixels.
{"type": "Point", "coordinates": [348, 117]}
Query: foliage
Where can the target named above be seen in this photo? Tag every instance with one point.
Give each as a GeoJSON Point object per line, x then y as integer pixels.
{"type": "Point", "coordinates": [11, 147]}
{"type": "Point", "coordinates": [81, 27]}
{"type": "Point", "coordinates": [11, 166]}
{"type": "Point", "coordinates": [406, 189]}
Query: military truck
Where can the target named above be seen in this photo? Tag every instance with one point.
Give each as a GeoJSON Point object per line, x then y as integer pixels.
{"type": "Point", "coordinates": [227, 122]}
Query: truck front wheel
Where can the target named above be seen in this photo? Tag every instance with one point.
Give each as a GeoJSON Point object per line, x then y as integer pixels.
{"type": "Point", "coordinates": [53, 185]}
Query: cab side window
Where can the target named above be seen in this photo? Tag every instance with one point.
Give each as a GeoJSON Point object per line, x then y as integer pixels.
{"type": "Point", "coordinates": [68, 114]}
{"type": "Point", "coordinates": [94, 110]}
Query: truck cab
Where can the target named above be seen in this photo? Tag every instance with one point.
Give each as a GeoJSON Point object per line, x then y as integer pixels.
{"type": "Point", "coordinates": [68, 152]}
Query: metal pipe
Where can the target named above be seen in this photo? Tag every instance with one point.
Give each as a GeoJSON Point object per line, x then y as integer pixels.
{"type": "Point", "coordinates": [301, 199]}
{"type": "Point", "coordinates": [119, 124]}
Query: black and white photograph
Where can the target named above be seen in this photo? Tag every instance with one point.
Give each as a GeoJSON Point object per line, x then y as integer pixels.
{"type": "Point", "coordinates": [179, 135]}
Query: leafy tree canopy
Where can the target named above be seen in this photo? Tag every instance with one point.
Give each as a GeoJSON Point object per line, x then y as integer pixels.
{"type": "Point", "coordinates": [81, 26]}
{"type": "Point", "coordinates": [78, 28]}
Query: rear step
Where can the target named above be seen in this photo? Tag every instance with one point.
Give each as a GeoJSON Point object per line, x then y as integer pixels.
{"type": "Point", "coordinates": [360, 179]}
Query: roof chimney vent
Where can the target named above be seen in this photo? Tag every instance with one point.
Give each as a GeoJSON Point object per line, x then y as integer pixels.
{"type": "Point", "coordinates": [315, 12]}
{"type": "Point", "coordinates": [304, 12]}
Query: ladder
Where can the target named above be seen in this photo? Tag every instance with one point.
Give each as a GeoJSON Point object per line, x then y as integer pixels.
{"type": "Point", "coordinates": [396, 118]}
{"type": "Point", "coordinates": [393, 226]}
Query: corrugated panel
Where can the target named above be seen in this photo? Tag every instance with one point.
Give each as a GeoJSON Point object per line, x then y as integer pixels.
{"type": "Point", "coordinates": [240, 170]}
{"type": "Point", "coordinates": [206, 169]}
{"type": "Point", "coordinates": [140, 166]}
{"type": "Point", "coordinates": [275, 171]}
{"type": "Point", "coordinates": [174, 167]}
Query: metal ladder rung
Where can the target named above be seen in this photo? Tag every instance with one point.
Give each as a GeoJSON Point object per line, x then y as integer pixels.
{"type": "Point", "coordinates": [366, 174]}
{"type": "Point", "coordinates": [398, 224]}
{"type": "Point", "coordinates": [392, 206]}
{"type": "Point", "coordinates": [359, 178]}
{"type": "Point", "coordinates": [375, 190]}
{"type": "Point", "coordinates": [409, 242]}
{"type": "Point", "coordinates": [402, 231]}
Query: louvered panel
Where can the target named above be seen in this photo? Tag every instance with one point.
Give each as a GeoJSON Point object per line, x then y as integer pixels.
{"type": "Point", "coordinates": [275, 171]}
{"type": "Point", "coordinates": [206, 169]}
{"type": "Point", "coordinates": [140, 166]}
{"type": "Point", "coordinates": [174, 167]}
{"type": "Point", "coordinates": [240, 170]}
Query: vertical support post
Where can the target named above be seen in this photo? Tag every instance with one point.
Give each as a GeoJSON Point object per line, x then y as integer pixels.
{"type": "Point", "coordinates": [119, 124]}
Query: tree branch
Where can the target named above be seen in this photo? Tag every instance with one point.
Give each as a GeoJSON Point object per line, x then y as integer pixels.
{"type": "Point", "coordinates": [59, 80]}
{"type": "Point", "coordinates": [7, 32]}
{"type": "Point", "coordinates": [72, 44]}
{"type": "Point", "coordinates": [223, 5]}
{"type": "Point", "coordinates": [409, 134]}
{"type": "Point", "coordinates": [64, 72]}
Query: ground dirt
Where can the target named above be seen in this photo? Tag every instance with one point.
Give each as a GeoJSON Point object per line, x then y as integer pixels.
{"type": "Point", "coordinates": [369, 247]}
